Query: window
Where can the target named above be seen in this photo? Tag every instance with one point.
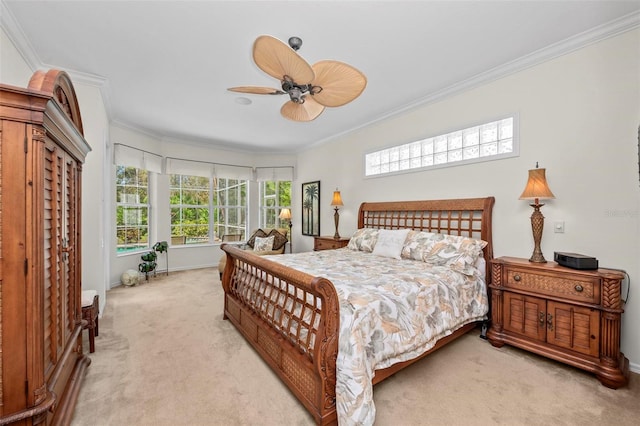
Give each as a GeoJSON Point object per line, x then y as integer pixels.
{"type": "Point", "coordinates": [132, 209]}
{"type": "Point", "coordinates": [478, 143]}
{"type": "Point", "coordinates": [205, 209]}
{"type": "Point", "coordinates": [229, 207]}
{"type": "Point", "coordinates": [274, 196]}
{"type": "Point", "coordinates": [189, 200]}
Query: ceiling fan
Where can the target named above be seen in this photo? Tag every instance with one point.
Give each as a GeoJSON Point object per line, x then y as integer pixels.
{"type": "Point", "coordinates": [310, 88]}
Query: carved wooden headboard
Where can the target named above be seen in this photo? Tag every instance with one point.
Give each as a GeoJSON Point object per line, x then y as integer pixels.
{"type": "Point", "coordinates": [470, 217]}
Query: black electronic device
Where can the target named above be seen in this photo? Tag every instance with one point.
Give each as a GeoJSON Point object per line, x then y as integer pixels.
{"type": "Point", "coordinates": [575, 261]}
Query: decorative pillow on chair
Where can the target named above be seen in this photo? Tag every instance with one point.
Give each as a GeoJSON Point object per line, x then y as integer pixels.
{"type": "Point", "coordinates": [390, 242]}
{"type": "Point", "coordinates": [252, 239]}
{"type": "Point", "coordinates": [263, 243]}
{"type": "Point", "coordinates": [279, 240]}
{"type": "Point", "coordinates": [364, 239]}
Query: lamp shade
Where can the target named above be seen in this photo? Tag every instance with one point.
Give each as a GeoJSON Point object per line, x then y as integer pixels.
{"type": "Point", "coordinates": [537, 187]}
{"type": "Point", "coordinates": [337, 199]}
{"type": "Point", "coordinates": [285, 214]}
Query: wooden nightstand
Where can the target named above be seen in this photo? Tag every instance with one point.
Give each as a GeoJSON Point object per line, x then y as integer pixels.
{"type": "Point", "coordinates": [329, 243]}
{"type": "Point", "coordinates": [569, 315]}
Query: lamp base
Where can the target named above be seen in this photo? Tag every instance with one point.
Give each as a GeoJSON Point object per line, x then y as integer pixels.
{"type": "Point", "coordinates": [336, 219]}
{"type": "Point", "coordinates": [537, 258]}
{"type": "Point", "coordinates": [537, 224]}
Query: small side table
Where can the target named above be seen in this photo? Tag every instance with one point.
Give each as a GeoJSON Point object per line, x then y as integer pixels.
{"type": "Point", "coordinates": [90, 311]}
{"type": "Point", "coordinates": [569, 315]}
{"type": "Point", "coordinates": [329, 243]}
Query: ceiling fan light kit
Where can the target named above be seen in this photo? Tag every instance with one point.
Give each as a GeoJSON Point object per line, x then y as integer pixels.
{"type": "Point", "coordinates": [327, 83]}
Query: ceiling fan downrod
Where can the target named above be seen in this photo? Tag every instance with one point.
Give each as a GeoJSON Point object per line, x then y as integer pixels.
{"type": "Point", "coordinates": [295, 43]}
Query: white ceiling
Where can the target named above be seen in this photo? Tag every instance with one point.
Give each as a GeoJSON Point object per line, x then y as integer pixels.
{"type": "Point", "coordinates": [164, 66]}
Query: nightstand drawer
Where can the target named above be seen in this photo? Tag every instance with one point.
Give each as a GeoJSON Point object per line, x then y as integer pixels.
{"type": "Point", "coordinates": [329, 243]}
{"type": "Point", "coordinates": [587, 290]}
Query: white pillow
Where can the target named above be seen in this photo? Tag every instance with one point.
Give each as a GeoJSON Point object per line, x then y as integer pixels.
{"type": "Point", "coordinates": [263, 244]}
{"type": "Point", "coordinates": [390, 242]}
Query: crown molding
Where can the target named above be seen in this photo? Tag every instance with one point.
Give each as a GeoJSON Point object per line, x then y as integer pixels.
{"type": "Point", "coordinates": [18, 38]}
{"type": "Point", "coordinates": [594, 35]}
{"type": "Point", "coordinates": [613, 28]}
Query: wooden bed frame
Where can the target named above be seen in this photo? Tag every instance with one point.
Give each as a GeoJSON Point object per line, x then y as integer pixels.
{"type": "Point", "coordinates": [304, 356]}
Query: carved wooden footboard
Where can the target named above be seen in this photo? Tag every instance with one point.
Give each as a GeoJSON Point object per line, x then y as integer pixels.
{"type": "Point", "coordinates": [291, 319]}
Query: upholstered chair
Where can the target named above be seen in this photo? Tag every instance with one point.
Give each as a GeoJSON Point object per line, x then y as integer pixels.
{"type": "Point", "coordinates": [279, 243]}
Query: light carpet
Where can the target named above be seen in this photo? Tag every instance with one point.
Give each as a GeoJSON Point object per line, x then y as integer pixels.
{"type": "Point", "coordinates": [165, 356]}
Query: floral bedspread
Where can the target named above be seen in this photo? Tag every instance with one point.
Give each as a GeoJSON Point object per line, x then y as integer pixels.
{"type": "Point", "coordinates": [391, 310]}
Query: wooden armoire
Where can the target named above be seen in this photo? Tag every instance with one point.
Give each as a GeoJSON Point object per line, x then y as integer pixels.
{"type": "Point", "coordinates": [42, 149]}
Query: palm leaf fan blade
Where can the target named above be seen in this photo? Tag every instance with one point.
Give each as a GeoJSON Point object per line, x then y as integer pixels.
{"type": "Point", "coordinates": [256, 90]}
{"type": "Point", "coordinates": [306, 111]}
{"type": "Point", "coordinates": [341, 83]}
{"type": "Point", "coordinates": [277, 59]}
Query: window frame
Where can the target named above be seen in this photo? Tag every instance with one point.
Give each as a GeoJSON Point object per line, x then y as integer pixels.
{"type": "Point", "coordinates": [216, 208]}
{"type": "Point", "coordinates": [263, 208]}
{"type": "Point", "coordinates": [138, 205]}
{"type": "Point", "coordinates": [515, 141]}
{"type": "Point", "coordinates": [181, 206]}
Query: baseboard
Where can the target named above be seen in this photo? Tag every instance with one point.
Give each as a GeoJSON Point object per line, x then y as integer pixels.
{"type": "Point", "coordinates": [185, 268]}
{"type": "Point", "coordinates": [634, 368]}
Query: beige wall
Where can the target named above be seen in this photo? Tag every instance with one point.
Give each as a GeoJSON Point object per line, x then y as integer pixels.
{"type": "Point", "coordinates": [579, 116]}
{"type": "Point", "coordinates": [13, 67]}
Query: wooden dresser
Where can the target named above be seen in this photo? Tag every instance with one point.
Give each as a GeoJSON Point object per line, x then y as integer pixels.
{"type": "Point", "coordinates": [329, 243]}
{"type": "Point", "coordinates": [569, 315]}
{"type": "Point", "coordinates": [41, 153]}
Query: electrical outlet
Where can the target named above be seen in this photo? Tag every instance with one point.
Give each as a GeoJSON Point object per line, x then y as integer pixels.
{"type": "Point", "coordinates": [558, 227]}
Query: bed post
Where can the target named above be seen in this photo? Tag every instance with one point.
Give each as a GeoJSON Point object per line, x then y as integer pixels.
{"type": "Point", "coordinates": [326, 350]}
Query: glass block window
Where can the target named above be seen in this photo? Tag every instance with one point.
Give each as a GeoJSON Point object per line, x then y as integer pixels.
{"type": "Point", "coordinates": [483, 142]}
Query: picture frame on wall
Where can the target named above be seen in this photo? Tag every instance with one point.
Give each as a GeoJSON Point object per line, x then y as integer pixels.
{"type": "Point", "coordinates": [311, 208]}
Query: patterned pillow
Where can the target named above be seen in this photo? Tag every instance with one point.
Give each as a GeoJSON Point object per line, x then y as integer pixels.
{"type": "Point", "coordinates": [459, 253]}
{"type": "Point", "coordinates": [364, 239]}
{"type": "Point", "coordinates": [417, 245]}
{"type": "Point", "coordinates": [258, 233]}
{"type": "Point", "coordinates": [279, 240]}
{"type": "Point", "coordinates": [390, 242]}
{"type": "Point", "coordinates": [263, 243]}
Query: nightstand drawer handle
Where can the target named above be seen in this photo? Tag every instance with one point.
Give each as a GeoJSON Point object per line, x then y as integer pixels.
{"type": "Point", "coordinates": [550, 322]}
{"type": "Point", "coordinates": [579, 288]}
{"type": "Point", "coordinates": [541, 318]}
{"type": "Point", "coordinates": [517, 278]}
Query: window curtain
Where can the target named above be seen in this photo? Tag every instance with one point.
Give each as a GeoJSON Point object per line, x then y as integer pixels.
{"type": "Point", "coordinates": [132, 157]}
{"type": "Point", "coordinates": [201, 168]}
{"type": "Point", "coordinates": [190, 168]}
{"type": "Point", "coordinates": [125, 155]}
{"type": "Point", "coordinates": [274, 173]}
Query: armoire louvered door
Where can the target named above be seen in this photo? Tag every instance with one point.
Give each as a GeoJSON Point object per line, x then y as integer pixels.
{"type": "Point", "coordinates": [61, 309]}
